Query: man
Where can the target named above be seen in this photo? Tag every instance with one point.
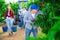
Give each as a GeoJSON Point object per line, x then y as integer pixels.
{"type": "Point", "coordinates": [24, 13]}
{"type": "Point", "coordinates": [21, 14]}
{"type": "Point", "coordinates": [29, 18]}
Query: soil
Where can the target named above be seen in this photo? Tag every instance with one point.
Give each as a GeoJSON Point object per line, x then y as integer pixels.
{"type": "Point", "coordinates": [19, 35]}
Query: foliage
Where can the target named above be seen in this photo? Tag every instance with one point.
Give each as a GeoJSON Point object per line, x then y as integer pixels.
{"type": "Point", "coordinates": [32, 38]}
{"type": "Point", "coordinates": [42, 35]}
{"type": "Point", "coordinates": [52, 32]}
{"type": "Point", "coordinates": [2, 10]}
{"type": "Point", "coordinates": [45, 22]}
{"type": "Point", "coordinates": [15, 7]}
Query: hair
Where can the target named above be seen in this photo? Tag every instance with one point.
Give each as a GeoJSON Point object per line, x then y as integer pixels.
{"type": "Point", "coordinates": [24, 7]}
{"type": "Point", "coordinates": [10, 9]}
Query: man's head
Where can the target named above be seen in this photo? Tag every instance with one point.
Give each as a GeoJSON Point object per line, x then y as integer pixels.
{"type": "Point", "coordinates": [24, 8]}
{"type": "Point", "coordinates": [34, 8]}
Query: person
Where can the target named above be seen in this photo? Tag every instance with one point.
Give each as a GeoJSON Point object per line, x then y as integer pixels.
{"type": "Point", "coordinates": [9, 19]}
{"type": "Point", "coordinates": [24, 13]}
{"type": "Point", "coordinates": [21, 13]}
{"type": "Point", "coordinates": [29, 18]}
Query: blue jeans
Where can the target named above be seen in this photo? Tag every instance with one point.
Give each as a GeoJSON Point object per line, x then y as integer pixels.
{"type": "Point", "coordinates": [21, 20]}
{"type": "Point", "coordinates": [28, 32]}
{"type": "Point", "coordinates": [9, 22]}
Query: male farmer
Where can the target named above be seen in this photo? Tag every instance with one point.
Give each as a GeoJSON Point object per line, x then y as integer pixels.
{"type": "Point", "coordinates": [24, 13]}
{"type": "Point", "coordinates": [29, 18]}
{"type": "Point", "coordinates": [21, 14]}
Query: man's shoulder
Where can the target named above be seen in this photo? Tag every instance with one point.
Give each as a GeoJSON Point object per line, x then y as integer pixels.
{"type": "Point", "coordinates": [39, 12]}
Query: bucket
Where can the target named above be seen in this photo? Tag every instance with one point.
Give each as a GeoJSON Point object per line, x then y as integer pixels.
{"type": "Point", "coordinates": [5, 29]}
{"type": "Point", "coordinates": [14, 29]}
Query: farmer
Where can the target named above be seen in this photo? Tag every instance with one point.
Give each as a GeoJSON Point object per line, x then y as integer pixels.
{"type": "Point", "coordinates": [9, 19]}
{"type": "Point", "coordinates": [29, 18]}
{"type": "Point", "coordinates": [21, 14]}
{"type": "Point", "coordinates": [24, 13]}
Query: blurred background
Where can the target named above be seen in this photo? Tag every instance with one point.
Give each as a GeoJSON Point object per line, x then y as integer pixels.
{"type": "Point", "coordinates": [49, 22]}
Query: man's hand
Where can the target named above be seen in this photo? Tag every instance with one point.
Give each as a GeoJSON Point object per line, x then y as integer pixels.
{"type": "Point", "coordinates": [40, 29]}
{"type": "Point", "coordinates": [32, 20]}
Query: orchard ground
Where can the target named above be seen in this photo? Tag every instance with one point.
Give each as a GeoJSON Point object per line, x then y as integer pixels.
{"type": "Point", "coordinates": [19, 35]}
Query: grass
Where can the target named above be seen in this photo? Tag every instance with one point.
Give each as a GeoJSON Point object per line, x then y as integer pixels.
{"type": "Point", "coordinates": [1, 33]}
